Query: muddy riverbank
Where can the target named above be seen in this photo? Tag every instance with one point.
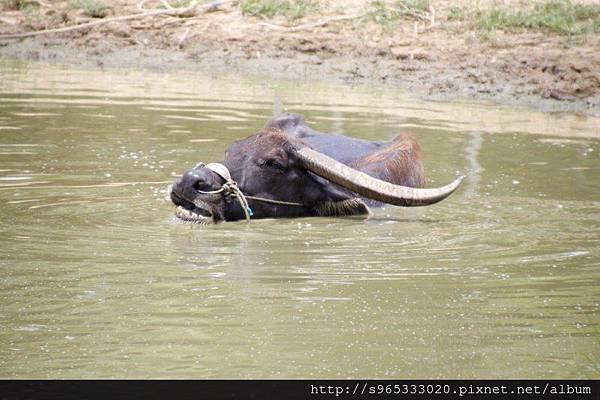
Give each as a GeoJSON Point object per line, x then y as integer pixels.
{"type": "Point", "coordinates": [435, 52]}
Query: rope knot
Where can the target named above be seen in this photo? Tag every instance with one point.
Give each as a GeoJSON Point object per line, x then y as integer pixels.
{"type": "Point", "coordinates": [231, 192]}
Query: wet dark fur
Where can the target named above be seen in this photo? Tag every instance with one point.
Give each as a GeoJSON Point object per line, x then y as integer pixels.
{"type": "Point", "coordinates": [399, 163]}
{"type": "Point", "coordinates": [265, 165]}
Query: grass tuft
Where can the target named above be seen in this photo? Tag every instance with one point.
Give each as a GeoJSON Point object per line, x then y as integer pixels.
{"type": "Point", "coordinates": [13, 4]}
{"type": "Point", "coordinates": [383, 15]}
{"type": "Point", "coordinates": [456, 14]}
{"type": "Point", "coordinates": [559, 16]}
{"type": "Point", "coordinates": [92, 8]}
{"type": "Point", "coordinates": [387, 15]}
{"type": "Point", "coordinates": [291, 9]}
{"type": "Point", "coordinates": [414, 5]}
{"type": "Point", "coordinates": [177, 4]}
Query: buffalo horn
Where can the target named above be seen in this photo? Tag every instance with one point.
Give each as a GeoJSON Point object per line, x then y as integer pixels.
{"type": "Point", "coordinates": [370, 187]}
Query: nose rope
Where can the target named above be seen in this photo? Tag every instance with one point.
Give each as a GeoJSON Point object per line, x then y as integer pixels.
{"type": "Point", "coordinates": [231, 190]}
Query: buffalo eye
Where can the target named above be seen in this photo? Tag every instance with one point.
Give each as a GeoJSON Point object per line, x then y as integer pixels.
{"type": "Point", "coordinates": [276, 158]}
{"type": "Point", "coordinates": [275, 164]}
{"type": "Point", "coordinates": [272, 163]}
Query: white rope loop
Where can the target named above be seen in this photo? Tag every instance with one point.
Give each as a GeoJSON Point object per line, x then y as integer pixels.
{"type": "Point", "coordinates": [231, 191]}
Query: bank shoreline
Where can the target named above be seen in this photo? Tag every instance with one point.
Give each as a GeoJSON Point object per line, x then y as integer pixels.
{"type": "Point", "coordinates": [445, 61]}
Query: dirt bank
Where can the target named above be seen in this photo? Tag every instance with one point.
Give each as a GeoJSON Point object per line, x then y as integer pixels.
{"type": "Point", "coordinates": [435, 49]}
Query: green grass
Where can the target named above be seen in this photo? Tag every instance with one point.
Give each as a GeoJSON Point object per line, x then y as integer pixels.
{"type": "Point", "coordinates": [92, 8]}
{"type": "Point", "coordinates": [456, 14]}
{"type": "Point", "coordinates": [13, 4]}
{"type": "Point", "coordinates": [291, 9]}
{"type": "Point", "coordinates": [177, 3]}
{"type": "Point", "coordinates": [387, 15]}
{"type": "Point", "coordinates": [383, 15]}
{"type": "Point", "coordinates": [559, 16]}
{"type": "Point", "coordinates": [414, 5]}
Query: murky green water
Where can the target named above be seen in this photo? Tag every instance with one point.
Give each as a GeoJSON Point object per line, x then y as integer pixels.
{"type": "Point", "coordinates": [98, 280]}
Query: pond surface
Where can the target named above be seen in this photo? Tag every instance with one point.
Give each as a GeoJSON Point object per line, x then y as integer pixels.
{"type": "Point", "coordinates": [99, 280]}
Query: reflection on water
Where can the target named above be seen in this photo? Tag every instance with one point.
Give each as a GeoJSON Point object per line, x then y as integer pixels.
{"type": "Point", "coordinates": [99, 280]}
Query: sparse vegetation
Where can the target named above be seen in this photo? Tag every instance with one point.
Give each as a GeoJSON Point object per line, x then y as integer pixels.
{"type": "Point", "coordinates": [34, 19]}
{"type": "Point", "coordinates": [560, 16]}
{"type": "Point", "coordinates": [387, 15]}
{"type": "Point", "coordinates": [92, 8]}
{"type": "Point", "coordinates": [291, 9]}
{"type": "Point", "coordinates": [414, 5]}
{"type": "Point", "coordinates": [13, 4]}
{"type": "Point", "coordinates": [442, 46]}
{"type": "Point", "coordinates": [456, 14]}
{"type": "Point", "coordinates": [383, 15]}
{"type": "Point", "coordinates": [177, 4]}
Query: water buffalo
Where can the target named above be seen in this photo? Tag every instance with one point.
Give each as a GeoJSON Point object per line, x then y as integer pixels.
{"type": "Point", "coordinates": [289, 170]}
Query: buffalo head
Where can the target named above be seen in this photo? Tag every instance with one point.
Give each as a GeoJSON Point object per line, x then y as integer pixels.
{"type": "Point", "coordinates": [280, 175]}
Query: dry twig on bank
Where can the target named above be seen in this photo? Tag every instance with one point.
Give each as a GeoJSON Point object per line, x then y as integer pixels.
{"type": "Point", "coordinates": [188, 11]}
{"type": "Point", "coordinates": [41, 3]}
{"type": "Point", "coordinates": [8, 21]}
{"type": "Point", "coordinates": [413, 13]}
{"type": "Point", "coordinates": [183, 38]}
{"type": "Point", "coordinates": [312, 24]}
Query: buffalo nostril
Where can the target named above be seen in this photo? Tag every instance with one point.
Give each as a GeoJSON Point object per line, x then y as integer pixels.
{"type": "Point", "coordinates": [199, 185]}
{"type": "Point", "coordinates": [195, 181]}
